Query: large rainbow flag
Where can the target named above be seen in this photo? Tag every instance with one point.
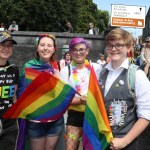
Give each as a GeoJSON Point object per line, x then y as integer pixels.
{"type": "Point", "coordinates": [96, 130]}
{"type": "Point", "coordinates": [46, 98]}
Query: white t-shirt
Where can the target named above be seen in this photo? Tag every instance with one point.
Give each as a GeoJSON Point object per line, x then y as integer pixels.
{"type": "Point", "coordinates": [91, 31]}
{"type": "Point", "coordinates": [83, 77]}
{"type": "Point", "coordinates": [101, 63]}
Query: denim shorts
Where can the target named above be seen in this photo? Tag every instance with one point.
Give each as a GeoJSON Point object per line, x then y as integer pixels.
{"type": "Point", "coordinates": [39, 130]}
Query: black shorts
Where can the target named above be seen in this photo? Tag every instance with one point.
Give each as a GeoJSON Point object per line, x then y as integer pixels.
{"type": "Point", "coordinates": [75, 118]}
{"type": "Point", "coordinates": [9, 134]}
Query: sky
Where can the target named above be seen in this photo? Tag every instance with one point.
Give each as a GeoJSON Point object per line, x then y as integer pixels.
{"type": "Point", "coordinates": [106, 5]}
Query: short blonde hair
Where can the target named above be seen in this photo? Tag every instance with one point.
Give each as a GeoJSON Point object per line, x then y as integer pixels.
{"type": "Point", "coordinates": [120, 34]}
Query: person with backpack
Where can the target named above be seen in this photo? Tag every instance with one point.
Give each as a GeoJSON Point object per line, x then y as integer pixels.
{"type": "Point", "coordinates": [125, 89]}
{"type": "Point", "coordinates": [77, 75]}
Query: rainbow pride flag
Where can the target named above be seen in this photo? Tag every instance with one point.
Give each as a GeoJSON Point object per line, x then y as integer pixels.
{"type": "Point", "coordinates": [31, 74]}
{"type": "Point", "coordinates": [96, 129]}
{"type": "Point", "coordinates": [46, 98]}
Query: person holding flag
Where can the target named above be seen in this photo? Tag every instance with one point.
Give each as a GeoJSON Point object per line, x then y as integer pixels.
{"type": "Point", "coordinates": [128, 108]}
{"type": "Point", "coordinates": [77, 75]}
{"type": "Point", "coordinates": [42, 134]}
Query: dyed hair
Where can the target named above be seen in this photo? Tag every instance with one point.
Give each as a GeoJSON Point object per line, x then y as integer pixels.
{"type": "Point", "coordinates": [52, 59]}
{"type": "Point", "coordinates": [75, 41]}
{"type": "Point", "coordinates": [119, 34]}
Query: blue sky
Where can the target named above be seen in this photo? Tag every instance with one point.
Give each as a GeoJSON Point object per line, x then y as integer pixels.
{"type": "Point", "coordinates": [106, 5]}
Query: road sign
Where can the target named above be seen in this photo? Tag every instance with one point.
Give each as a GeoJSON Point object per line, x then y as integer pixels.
{"type": "Point", "coordinates": [128, 16]}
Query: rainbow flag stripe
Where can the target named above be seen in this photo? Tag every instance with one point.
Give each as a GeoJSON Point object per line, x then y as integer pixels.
{"type": "Point", "coordinates": [46, 98]}
{"type": "Point", "coordinates": [96, 129]}
{"type": "Point", "coordinates": [31, 74]}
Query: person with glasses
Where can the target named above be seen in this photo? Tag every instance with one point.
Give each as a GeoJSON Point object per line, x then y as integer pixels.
{"type": "Point", "coordinates": [42, 135]}
{"type": "Point", "coordinates": [77, 75]}
{"type": "Point", "coordinates": [128, 111]}
{"type": "Point", "coordinates": [9, 78]}
{"type": "Point", "coordinates": [145, 57]}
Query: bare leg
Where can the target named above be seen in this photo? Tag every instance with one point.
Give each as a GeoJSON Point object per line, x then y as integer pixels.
{"type": "Point", "coordinates": [51, 142]}
{"type": "Point", "coordinates": [72, 137]}
{"type": "Point", "coordinates": [146, 68]}
{"type": "Point", "coordinates": [37, 144]}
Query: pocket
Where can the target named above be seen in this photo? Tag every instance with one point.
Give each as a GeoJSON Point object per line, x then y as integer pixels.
{"type": "Point", "coordinates": [59, 121]}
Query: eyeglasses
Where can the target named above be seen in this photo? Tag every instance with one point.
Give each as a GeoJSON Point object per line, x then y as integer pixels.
{"type": "Point", "coordinates": [117, 46]}
{"type": "Point", "coordinates": [147, 41]}
{"type": "Point", "coordinates": [81, 50]}
{"type": "Point", "coordinates": [9, 46]}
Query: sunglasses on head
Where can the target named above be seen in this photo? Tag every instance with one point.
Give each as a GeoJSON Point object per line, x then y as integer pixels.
{"type": "Point", "coordinates": [47, 35]}
{"type": "Point", "coordinates": [43, 35]}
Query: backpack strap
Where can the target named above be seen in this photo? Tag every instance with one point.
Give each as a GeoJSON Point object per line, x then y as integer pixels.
{"type": "Point", "coordinates": [131, 78]}
{"type": "Point", "coordinates": [69, 72]}
{"type": "Point", "coordinates": [103, 70]}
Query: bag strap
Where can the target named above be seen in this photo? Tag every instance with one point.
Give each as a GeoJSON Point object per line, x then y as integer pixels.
{"type": "Point", "coordinates": [131, 78]}
{"type": "Point", "coordinates": [69, 71]}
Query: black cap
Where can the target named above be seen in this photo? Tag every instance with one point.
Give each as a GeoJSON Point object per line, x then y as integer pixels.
{"type": "Point", "coordinates": [6, 37]}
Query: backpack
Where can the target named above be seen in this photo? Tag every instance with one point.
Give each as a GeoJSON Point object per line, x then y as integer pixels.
{"type": "Point", "coordinates": [131, 78]}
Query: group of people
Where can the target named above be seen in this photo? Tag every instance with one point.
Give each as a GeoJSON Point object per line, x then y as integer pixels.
{"type": "Point", "coordinates": [13, 27]}
{"type": "Point", "coordinates": [91, 29]}
{"type": "Point", "coordinates": [128, 114]}
{"type": "Point", "coordinates": [68, 28]}
{"type": "Point", "coordinates": [139, 55]}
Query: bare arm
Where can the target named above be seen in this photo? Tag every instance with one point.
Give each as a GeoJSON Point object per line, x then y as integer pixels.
{"type": "Point", "coordinates": [142, 55]}
{"type": "Point", "coordinates": [79, 100]}
{"type": "Point", "coordinates": [136, 130]}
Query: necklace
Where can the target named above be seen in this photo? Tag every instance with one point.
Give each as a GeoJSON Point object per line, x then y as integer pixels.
{"type": "Point", "coordinates": [5, 68]}
{"type": "Point", "coordinates": [76, 76]}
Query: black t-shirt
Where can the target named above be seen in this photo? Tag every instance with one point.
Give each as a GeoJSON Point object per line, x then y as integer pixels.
{"type": "Point", "coordinates": [9, 78]}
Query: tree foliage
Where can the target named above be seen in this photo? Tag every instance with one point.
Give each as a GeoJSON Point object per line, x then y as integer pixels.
{"type": "Point", "coordinates": [52, 15]}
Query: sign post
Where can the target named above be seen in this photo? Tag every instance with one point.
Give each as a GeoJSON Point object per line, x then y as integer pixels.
{"type": "Point", "coordinates": [128, 16]}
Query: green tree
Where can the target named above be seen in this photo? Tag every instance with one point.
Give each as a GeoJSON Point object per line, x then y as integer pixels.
{"type": "Point", "coordinates": [52, 15]}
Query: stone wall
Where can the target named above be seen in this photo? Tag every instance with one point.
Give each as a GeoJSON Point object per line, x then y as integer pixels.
{"type": "Point", "coordinates": [25, 49]}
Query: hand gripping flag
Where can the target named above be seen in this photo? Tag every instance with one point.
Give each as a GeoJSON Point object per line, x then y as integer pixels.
{"type": "Point", "coordinates": [96, 130]}
{"type": "Point", "coordinates": [46, 98]}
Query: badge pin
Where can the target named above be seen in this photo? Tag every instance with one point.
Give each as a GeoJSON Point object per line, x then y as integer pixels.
{"type": "Point", "coordinates": [102, 86]}
{"type": "Point", "coordinates": [100, 82]}
{"type": "Point", "coordinates": [117, 85]}
{"type": "Point", "coordinates": [121, 82]}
